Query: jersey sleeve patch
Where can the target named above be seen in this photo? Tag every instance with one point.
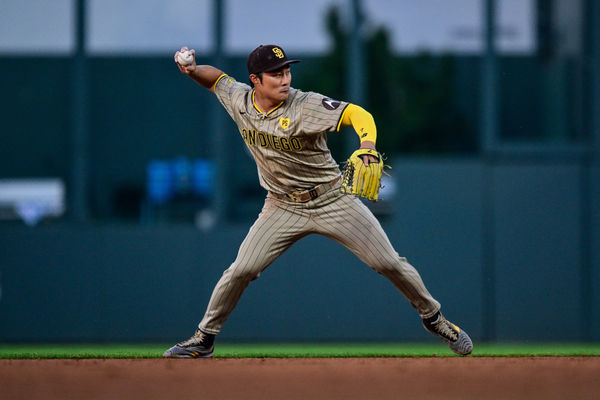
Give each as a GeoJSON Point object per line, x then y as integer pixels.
{"type": "Point", "coordinates": [330, 104]}
{"type": "Point", "coordinates": [320, 113]}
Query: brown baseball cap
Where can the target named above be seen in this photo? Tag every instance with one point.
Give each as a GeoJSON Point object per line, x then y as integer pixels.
{"type": "Point", "coordinates": [266, 58]}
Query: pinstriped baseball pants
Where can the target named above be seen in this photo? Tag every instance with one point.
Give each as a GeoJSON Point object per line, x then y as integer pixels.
{"type": "Point", "coordinates": [340, 217]}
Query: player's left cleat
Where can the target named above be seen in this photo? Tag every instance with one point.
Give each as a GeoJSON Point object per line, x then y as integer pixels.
{"type": "Point", "coordinates": [201, 345]}
{"type": "Point", "coordinates": [457, 339]}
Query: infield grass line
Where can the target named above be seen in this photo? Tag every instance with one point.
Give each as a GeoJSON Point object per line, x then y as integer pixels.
{"type": "Point", "coordinates": [297, 350]}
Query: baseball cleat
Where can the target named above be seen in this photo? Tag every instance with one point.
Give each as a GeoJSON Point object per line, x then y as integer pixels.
{"type": "Point", "coordinates": [457, 339]}
{"type": "Point", "coordinates": [200, 345]}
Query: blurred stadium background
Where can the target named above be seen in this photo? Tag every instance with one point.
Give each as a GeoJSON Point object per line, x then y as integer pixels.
{"type": "Point", "coordinates": [125, 191]}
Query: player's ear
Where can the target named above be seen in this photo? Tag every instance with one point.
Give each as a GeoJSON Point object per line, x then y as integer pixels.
{"type": "Point", "coordinates": [256, 79]}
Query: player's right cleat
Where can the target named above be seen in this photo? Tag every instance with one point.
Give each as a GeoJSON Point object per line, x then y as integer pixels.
{"type": "Point", "coordinates": [457, 339]}
{"type": "Point", "coordinates": [201, 345]}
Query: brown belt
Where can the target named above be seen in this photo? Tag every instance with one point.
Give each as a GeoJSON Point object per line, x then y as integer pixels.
{"type": "Point", "coordinates": [306, 195]}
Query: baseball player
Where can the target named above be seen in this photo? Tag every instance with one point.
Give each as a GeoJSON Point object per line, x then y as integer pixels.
{"type": "Point", "coordinates": [285, 131]}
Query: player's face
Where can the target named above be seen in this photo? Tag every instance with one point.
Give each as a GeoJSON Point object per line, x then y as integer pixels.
{"type": "Point", "coordinates": [275, 85]}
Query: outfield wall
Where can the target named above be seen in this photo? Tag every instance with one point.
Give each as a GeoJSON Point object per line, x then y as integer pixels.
{"type": "Point", "coordinates": [62, 282]}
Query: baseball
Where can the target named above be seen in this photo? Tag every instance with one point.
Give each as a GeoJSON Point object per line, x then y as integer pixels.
{"type": "Point", "coordinates": [185, 58]}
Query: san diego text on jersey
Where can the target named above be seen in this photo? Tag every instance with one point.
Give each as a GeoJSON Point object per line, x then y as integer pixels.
{"type": "Point", "coordinates": [252, 137]}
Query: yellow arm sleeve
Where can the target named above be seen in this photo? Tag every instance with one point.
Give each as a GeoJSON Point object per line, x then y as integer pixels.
{"type": "Point", "coordinates": [362, 122]}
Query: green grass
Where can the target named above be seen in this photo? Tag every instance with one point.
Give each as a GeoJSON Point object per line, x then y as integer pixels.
{"type": "Point", "coordinates": [295, 350]}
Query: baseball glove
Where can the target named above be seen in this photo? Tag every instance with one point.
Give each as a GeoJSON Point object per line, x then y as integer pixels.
{"type": "Point", "coordinates": [361, 180]}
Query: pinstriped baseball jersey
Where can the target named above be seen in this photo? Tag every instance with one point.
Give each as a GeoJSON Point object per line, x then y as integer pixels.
{"type": "Point", "coordinates": [289, 143]}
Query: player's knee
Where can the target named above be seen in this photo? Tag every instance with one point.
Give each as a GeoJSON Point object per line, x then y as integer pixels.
{"type": "Point", "coordinates": [391, 264]}
{"type": "Point", "coordinates": [242, 273]}
{"type": "Point", "coordinates": [382, 267]}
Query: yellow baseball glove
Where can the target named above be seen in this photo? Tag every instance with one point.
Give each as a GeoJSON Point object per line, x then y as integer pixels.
{"type": "Point", "coordinates": [361, 180]}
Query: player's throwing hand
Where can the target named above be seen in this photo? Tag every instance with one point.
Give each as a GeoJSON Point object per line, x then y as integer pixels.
{"type": "Point", "coordinates": [186, 60]}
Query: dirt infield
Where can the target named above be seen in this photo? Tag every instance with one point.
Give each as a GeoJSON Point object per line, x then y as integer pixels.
{"type": "Point", "coordinates": [290, 379]}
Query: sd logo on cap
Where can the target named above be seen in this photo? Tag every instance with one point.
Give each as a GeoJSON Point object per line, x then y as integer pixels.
{"type": "Point", "coordinates": [267, 58]}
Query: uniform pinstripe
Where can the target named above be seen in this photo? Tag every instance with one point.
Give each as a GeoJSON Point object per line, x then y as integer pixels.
{"type": "Point", "coordinates": [290, 149]}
